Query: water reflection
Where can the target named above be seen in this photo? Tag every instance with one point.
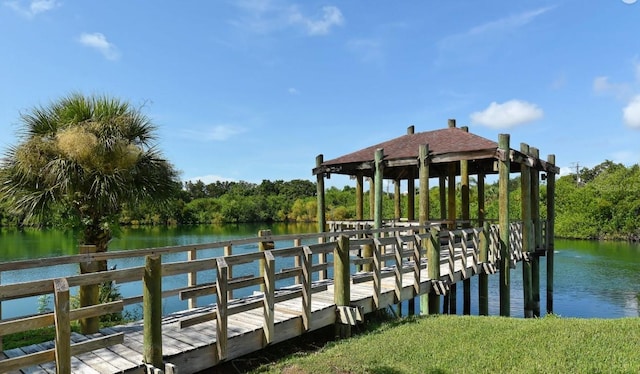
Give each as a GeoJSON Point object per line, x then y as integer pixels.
{"type": "Point", "coordinates": [592, 279]}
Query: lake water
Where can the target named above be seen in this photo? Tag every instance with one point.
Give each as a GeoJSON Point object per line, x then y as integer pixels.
{"type": "Point", "coordinates": [592, 279]}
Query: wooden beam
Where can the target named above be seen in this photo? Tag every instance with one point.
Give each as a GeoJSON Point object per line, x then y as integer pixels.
{"type": "Point", "coordinates": [321, 214]}
{"type": "Point", "coordinates": [379, 167]}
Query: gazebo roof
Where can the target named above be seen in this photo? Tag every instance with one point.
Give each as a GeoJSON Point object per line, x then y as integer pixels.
{"type": "Point", "coordinates": [446, 146]}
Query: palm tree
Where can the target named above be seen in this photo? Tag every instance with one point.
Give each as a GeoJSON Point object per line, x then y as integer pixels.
{"type": "Point", "coordinates": [87, 156]}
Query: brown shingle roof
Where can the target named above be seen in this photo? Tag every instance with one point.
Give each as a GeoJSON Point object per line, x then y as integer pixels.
{"type": "Point", "coordinates": [442, 141]}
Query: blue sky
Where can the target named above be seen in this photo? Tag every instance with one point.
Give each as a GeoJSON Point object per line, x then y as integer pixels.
{"type": "Point", "coordinates": [256, 89]}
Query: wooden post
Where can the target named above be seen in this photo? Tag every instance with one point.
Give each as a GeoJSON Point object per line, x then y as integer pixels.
{"type": "Point", "coordinates": [379, 175]}
{"type": "Point", "coordinates": [359, 197]}
{"type": "Point", "coordinates": [63, 326]}
{"type": "Point", "coordinates": [551, 216]}
{"type": "Point", "coordinates": [264, 245]}
{"type": "Point", "coordinates": [269, 298]}
{"type": "Point", "coordinates": [397, 199]}
{"type": "Point", "coordinates": [372, 199]}
{"type": "Point", "coordinates": [451, 217]}
{"type": "Point", "coordinates": [483, 277]}
{"type": "Point", "coordinates": [222, 315]}
{"type": "Point", "coordinates": [411, 197]}
{"type": "Point", "coordinates": [306, 287]}
{"type": "Point", "coordinates": [442, 188]}
{"type": "Point", "coordinates": [503, 188]}
{"type": "Point", "coordinates": [228, 251]}
{"type": "Point", "coordinates": [322, 217]}
{"type": "Point", "coordinates": [537, 242]}
{"type": "Point", "coordinates": [342, 280]}
{"type": "Point", "coordinates": [423, 213]}
{"type": "Point", "coordinates": [481, 209]}
{"type": "Point", "coordinates": [466, 217]}
{"type": "Point", "coordinates": [89, 295]}
{"type": "Point", "coordinates": [152, 311]}
{"type": "Point", "coordinates": [527, 231]}
{"type": "Point", "coordinates": [192, 279]}
{"type": "Point", "coordinates": [433, 267]}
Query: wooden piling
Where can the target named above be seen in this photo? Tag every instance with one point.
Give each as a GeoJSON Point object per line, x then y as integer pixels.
{"type": "Point", "coordinates": [537, 229]}
{"type": "Point", "coordinates": [397, 199]}
{"type": "Point", "coordinates": [63, 326]}
{"type": "Point", "coordinates": [321, 215]}
{"type": "Point", "coordinates": [411, 197]}
{"type": "Point", "coordinates": [359, 197]}
{"type": "Point", "coordinates": [89, 295]}
{"type": "Point", "coordinates": [379, 175]}
{"type": "Point", "coordinates": [466, 216]}
{"type": "Point", "coordinates": [342, 281]}
{"type": "Point", "coordinates": [451, 217]}
{"type": "Point", "coordinates": [152, 311]}
{"type": "Point", "coordinates": [503, 188]}
{"type": "Point", "coordinates": [527, 233]}
{"type": "Point", "coordinates": [551, 215]}
{"type": "Point", "coordinates": [483, 277]}
{"type": "Point", "coordinates": [433, 267]}
{"type": "Point", "coordinates": [423, 217]}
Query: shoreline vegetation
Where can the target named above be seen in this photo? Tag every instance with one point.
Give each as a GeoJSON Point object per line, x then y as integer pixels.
{"type": "Point", "coordinates": [601, 203]}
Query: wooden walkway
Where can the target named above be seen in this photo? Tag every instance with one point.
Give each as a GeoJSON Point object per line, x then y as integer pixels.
{"type": "Point", "coordinates": [204, 336]}
{"type": "Point", "coordinates": [191, 349]}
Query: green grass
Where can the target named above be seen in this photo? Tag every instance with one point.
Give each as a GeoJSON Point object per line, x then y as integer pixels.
{"type": "Point", "coordinates": [456, 344]}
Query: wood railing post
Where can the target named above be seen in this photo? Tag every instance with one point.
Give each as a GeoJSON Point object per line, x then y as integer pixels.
{"type": "Point", "coordinates": [152, 311]}
{"type": "Point", "coordinates": [377, 272]}
{"type": "Point", "coordinates": [483, 277]}
{"type": "Point", "coordinates": [192, 279]}
{"type": "Point", "coordinates": [551, 214]}
{"type": "Point", "coordinates": [228, 251]}
{"type": "Point", "coordinates": [433, 267]}
{"type": "Point", "coordinates": [269, 297]}
{"type": "Point", "coordinates": [306, 287]}
{"type": "Point", "coordinates": [89, 295]}
{"type": "Point", "coordinates": [505, 258]}
{"type": "Point", "coordinates": [63, 326]}
{"type": "Point", "coordinates": [264, 245]}
{"type": "Point", "coordinates": [452, 296]}
{"type": "Point", "coordinates": [222, 281]}
{"type": "Point", "coordinates": [297, 260]}
{"type": "Point", "coordinates": [342, 281]}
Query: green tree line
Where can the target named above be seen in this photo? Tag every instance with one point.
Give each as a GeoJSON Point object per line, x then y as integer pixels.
{"type": "Point", "coordinates": [602, 202]}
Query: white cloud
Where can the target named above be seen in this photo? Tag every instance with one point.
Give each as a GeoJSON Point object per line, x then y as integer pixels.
{"type": "Point", "coordinates": [100, 43]}
{"type": "Point", "coordinates": [602, 85]}
{"type": "Point", "coordinates": [331, 16]}
{"type": "Point", "coordinates": [215, 133]}
{"type": "Point", "coordinates": [265, 16]}
{"type": "Point", "coordinates": [34, 7]}
{"type": "Point", "coordinates": [508, 114]}
{"type": "Point", "coordinates": [293, 91]}
{"type": "Point", "coordinates": [631, 113]}
{"type": "Point", "coordinates": [478, 42]}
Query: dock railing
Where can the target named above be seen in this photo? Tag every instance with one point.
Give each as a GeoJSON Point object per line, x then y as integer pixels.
{"type": "Point", "coordinates": [259, 279]}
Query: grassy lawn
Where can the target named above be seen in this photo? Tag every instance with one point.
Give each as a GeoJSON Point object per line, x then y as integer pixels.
{"type": "Point", "coordinates": [457, 344]}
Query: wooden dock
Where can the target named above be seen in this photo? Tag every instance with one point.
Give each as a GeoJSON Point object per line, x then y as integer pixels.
{"type": "Point", "coordinates": [204, 336]}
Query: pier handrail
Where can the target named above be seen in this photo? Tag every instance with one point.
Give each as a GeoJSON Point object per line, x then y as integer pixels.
{"type": "Point", "coordinates": [396, 251]}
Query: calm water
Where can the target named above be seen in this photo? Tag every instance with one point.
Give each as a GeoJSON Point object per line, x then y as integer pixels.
{"type": "Point", "coordinates": [592, 280]}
